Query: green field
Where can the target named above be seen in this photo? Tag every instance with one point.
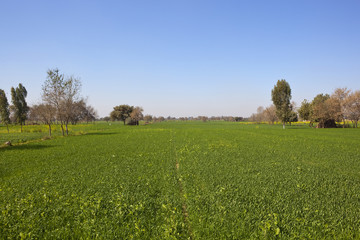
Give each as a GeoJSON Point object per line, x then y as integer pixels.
{"type": "Point", "coordinates": [181, 180]}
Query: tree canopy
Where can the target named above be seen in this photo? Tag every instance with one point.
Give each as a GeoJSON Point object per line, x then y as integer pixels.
{"type": "Point", "coordinates": [4, 109]}
{"type": "Point", "coordinates": [281, 96]}
{"type": "Point", "coordinates": [121, 113]}
{"type": "Point", "coordinates": [21, 108]}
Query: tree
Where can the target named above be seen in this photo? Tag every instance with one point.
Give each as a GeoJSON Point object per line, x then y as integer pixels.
{"type": "Point", "coordinates": [64, 95]}
{"type": "Point", "coordinates": [281, 96]}
{"type": "Point", "coordinates": [293, 117]}
{"type": "Point", "coordinates": [270, 114]}
{"type": "Point", "coordinates": [305, 110]}
{"type": "Point", "coordinates": [121, 113]}
{"type": "Point", "coordinates": [324, 111]}
{"type": "Point", "coordinates": [260, 115]}
{"type": "Point", "coordinates": [71, 91]}
{"type": "Point", "coordinates": [45, 113]}
{"type": "Point", "coordinates": [352, 106]}
{"type": "Point", "coordinates": [340, 95]}
{"type": "Point", "coordinates": [53, 93]}
{"type": "Point", "coordinates": [4, 109]}
{"type": "Point", "coordinates": [136, 115]}
{"type": "Point", "coordinates": [148, 118]}
{"type": "Point", "coordinates": [21, 109]}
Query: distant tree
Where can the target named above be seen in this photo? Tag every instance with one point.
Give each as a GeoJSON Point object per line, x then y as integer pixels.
{"type": "Point", "coordinates": [82, 112]}
{"type": "Point", "coordinates": [53, 94]}
{"type": "Point", "coordinates": [270, 114]}
{"type": "Point", "coordinates": [107, 119]}
{"type": "Point", "coordinates": [45, 113]}
{"type": "Point", "coordinates": [159, 119]}
{"type": "Point", "coordinates": [281, 96]}
{"type": "Point", "coordinates": [71, 95]}
{"type": "Point", "coordinates": [21, 108]}
{"type": "Point", "coordinates": [239, 119]}
{"type": "Point", "coordinates": [324, 111]}
{"type": "Point", "coordinates": [340, 95]}
{"type": "Point", "coordinates": [305, 110]}
{"type": "Point", "coordinates": [260, 115]}
{"type": "Point", "coordinates": [352, 107]}
{"type": "Point", "coordinates": [293, 117]}
{"type": "Point", "coordinates": [202, 118]}
{"type": "Point", "coordinates": [148, 118]}
{"type": "Point", "coordinates": [121, 113]}
{"type": "Point", "coordinates": [4, 109]}
{"type": "Point", "coordinates": [136, 115]}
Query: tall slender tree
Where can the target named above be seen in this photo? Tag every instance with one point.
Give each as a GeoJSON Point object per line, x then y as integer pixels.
{"type": "Point", "coordinates": [4, 109]}
{"type": "Point", "coordinates": [21, 108]}
{"type": "Point", "coordinates": [281, 96]}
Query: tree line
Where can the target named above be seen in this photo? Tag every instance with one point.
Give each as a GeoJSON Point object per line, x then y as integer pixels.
{"type": "Point", "coordinates": [61, 103]}
{"type": "Point", "coordinates": [325, 110]}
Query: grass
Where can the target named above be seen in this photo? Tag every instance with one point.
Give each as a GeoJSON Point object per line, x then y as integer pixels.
{"type": "Point", "coordinates": [180, 180]}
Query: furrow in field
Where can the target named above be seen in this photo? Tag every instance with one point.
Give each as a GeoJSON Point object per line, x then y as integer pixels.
{"type": "Point", "coordinates": [181, 189]}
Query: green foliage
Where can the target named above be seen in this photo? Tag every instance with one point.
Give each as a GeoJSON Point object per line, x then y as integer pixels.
{"type": "Point", "coordinates": [305, 110]}
{"type": "Point", "coordinates": [238, 181]}
{"type": "Point", "coordinates": [4, 108]}
{"type": "Point", "coordinates": [281, 96]}
{"type": "Point", "coordinates": [121, 113]}
{"type": "Point", "coordinates": [18, 96]}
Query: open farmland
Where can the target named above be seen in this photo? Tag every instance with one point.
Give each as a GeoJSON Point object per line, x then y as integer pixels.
{"type": "Point", "coordinates": [181, 180]}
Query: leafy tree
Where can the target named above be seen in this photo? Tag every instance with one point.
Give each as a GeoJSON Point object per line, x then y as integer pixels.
{"type": "Point", "coordinates": [293, 117]}
{"type": "Point", "coordinates": [281, 96]}
{"type": "Point", "coordinates": [21, 108]}
{"type": "Point", "coordinates": [4, 109]}
{"type": "Point", "coordinates": [305, 110]}
{"type": "Point", "coordinates": [121, 113]}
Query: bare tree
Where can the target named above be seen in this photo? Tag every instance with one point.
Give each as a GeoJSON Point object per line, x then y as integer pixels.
{"type": "Point", "coordinates": [340, 95]}
{"type": "Point", "coordinates": [70, 97]}
{"type": "Point", "coordinates": [148, 118]}
{"type": "Point", "coordinates": [53, 93]}
{"type": "Point", "coordinates": [45, 113]}
{"type": "Point", "coordinates": [352, 106]}
{"type": "Point", "coordinates": [136, 115]}
{"type": "Point", "coordinates": [260, 116]}
{"type": "Point", "coordinates": [270, 114]}
{"type": "Point", "coordinates": [62, 94]}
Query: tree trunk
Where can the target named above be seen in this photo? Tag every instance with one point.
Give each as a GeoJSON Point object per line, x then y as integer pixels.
{"type": "Point", "coordinates": [7, 126]}
{"type": "Point", "coordinates": [49, 130]}
{"type": "Point", "coordinates": [124, 122]}
{"type": "Point", "coordinates": [21, 126]}
{"type": "Point", "coordinates": [62, 129]}
{"type": "Point", "coordinates": [283, 125]}
{"type": "Point", "coordinates": [67, 131]}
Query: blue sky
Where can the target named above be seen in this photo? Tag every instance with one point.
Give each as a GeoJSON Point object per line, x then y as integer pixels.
{"type": "Point", "coordinates": [182, 58]}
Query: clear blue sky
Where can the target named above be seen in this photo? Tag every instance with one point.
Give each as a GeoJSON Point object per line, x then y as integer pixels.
{"type": "Point", "coordinates": [182, 58]}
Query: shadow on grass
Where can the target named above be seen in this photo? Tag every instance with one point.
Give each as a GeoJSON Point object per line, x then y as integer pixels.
{"type": "Point", "coordinates": [101, 133]}
{"type": "Point", "coordinates": [25, 147]}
